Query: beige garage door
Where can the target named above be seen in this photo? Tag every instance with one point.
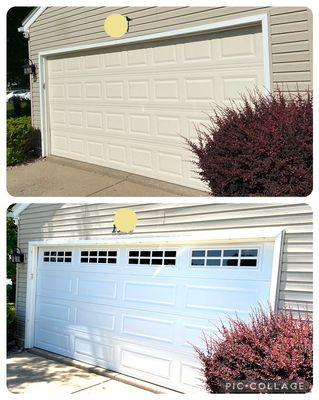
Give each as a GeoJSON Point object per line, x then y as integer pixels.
{"type": "Point", "coordinates": [129, 107]}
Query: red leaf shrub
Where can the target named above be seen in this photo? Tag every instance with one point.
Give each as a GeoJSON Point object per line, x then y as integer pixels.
{"type": "Point", "coordinates": [261, 148]}
{"type": "Point", "coordinates": [271, 347]}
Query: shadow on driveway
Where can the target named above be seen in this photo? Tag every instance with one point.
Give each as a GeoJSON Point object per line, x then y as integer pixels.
{"type": "Point", "coordinates": [31, 374]}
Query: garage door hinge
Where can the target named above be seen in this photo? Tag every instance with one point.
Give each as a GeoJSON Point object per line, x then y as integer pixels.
{"type": "Point", "coordinates": [43, 86]}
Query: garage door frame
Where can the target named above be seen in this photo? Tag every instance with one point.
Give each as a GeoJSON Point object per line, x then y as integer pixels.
{"type": "Point", "coordinates": [230, 235]}
{"type": "Point", "coordinates": [263, 19]}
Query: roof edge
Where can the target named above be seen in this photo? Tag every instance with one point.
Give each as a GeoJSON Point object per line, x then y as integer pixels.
{"type": "Point", "coordinates": [18, 208]}
{"type": "Point", "coordinates": [28, 21]}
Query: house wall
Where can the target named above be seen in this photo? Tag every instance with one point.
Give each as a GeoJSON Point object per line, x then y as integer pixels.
{"type": "Point", "coordinates": [92, 221]}
{"type": "Point", "coordinates": [290, 35]}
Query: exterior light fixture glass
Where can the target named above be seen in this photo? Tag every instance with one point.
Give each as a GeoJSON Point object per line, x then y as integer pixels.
{"type": "Point", "coordinates": [17, 256]}
{"type": "Point", "coordinates": [29, 68]}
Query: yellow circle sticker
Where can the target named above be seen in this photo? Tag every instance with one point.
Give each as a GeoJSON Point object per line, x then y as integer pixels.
{"type": "Point", "coordinates": [125, 220]}
{"type": "Point", "coordinates": [116, 25]}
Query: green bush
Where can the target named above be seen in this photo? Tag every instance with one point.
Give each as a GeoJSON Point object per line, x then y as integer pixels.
{"type": "Point", "coordinates": [11, 325]}
{"type": "Point", "coordinates": [20, 140]}
{"type": "Point", "coordinates": [23, 109]}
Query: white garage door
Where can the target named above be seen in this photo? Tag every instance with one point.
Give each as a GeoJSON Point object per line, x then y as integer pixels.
{"type": "Point", "coordinates": [138, 310]}
{"type": "Point", "coordinates": [129, 108]}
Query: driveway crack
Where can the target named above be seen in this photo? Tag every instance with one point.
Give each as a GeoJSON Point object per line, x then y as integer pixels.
{"type": "Point", "coordinates": [91, 386]}
{"type": "Point", "coordinates": [108, 187]}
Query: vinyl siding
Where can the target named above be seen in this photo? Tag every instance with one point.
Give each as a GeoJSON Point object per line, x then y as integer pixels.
{"type": "Point", "coordinates": [78, 221]}
{"type": "Point", "coordinates": [290, 35]}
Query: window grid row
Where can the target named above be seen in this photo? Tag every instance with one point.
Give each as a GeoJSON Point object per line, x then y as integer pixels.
{"type": "Point", "coordinates": [57, 256]}
{"type": "Point", "coordinates": [247, 257]}
{"type": "Point", "coordinates": [99, 256]}
{"type": "Point", "coordinates": [224, 258]}
{"type": "Point", "coordinates": [152, 257]}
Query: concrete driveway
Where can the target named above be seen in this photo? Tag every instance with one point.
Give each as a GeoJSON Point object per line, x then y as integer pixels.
{"type": "Point", "coordinates": [55, 176]}
{"type": "Point", "coordinates": [32, 374]}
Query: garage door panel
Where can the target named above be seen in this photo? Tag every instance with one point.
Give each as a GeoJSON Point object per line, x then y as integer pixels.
{"type": "Point", "coordinates": [143, 320]}
{"type": "Point", "coordinates": [54, 311]}
{"type": "Point", "coordinates": [57, 342]}
{"type": "Point", "coordinates": [145, 363]}
{"type": "Point", "coordinates": [212, 298]}
{"type": "Point", "coordinates": [139, 98]}
{"type": "Point", "coordinates": [92, 351]}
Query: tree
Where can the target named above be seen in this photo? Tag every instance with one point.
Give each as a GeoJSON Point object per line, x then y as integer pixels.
{"type": "Point", "coordinates": [17, 47]}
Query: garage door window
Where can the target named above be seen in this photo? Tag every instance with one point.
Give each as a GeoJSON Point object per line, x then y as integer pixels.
{"type": "Point", "coordinates": [224, 258]}
{"type": "Point", "coordinates": [99, 256]}
{"type": "Point", "coordinates": [57, 256]}
{"type": "Point", "coordinates": [152, 257]}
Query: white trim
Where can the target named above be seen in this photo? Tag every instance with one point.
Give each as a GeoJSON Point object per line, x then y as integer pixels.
{"type": "Point", "coordinates": [18, 208]}
{"type": "Point", "coordinates": [266, 52]}
{"type": "Point", "coordinates": [31, 295]}
{"type": "Point", "coordinates": [252, 235]}
{"type": "Point", "coordinates": [231, 23]}
{"type": "Point", "coordinates": [276, 270]}
{"type": "Point", "coordinates": [28, 21]}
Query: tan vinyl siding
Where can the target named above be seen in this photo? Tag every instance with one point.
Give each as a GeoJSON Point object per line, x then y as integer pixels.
{"type": "Point", "coordinates": [48, 221]}
{"type": "Point", "coordinates": [290, 35]}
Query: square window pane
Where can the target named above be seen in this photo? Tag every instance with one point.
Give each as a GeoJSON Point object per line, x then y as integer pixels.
{"type": "Point", "coordinates": [214, 253]}
{"type": "Point", "coordinates": [133, 261]}
{"type": "Point", "coordinates": [112, 253]}
{"type": "Point", "coordinates": [198, 261]}
{"type": "Point", "coordinates": [53, 253]}
{"type": "Point", "coordinates": [93, 260]}
{"type": "Point", "coordinates": [157, 253]}
{"type": "Point", "coordinates": [133, 253]}
{"type": "Point", "coordinates": [102, 260]}
{"type": "Point", "coordinates": [170, 253]}
{"type": "Point", "coordinates": [111, 260]}
{"type": "Point", "coordinates": [60, 259]}
{"type": "Point", "coordinates": [249, 253]}
{"type": "Point", "coordinates": [93, 253]}
{"type": "Point", "coordinates": [231, 253]}
{"type": "Point", "coordinates": [145, 254]}
{"type": "Point", "coordinates": [212, 261]}
{"type": "Point", "coordinates": [61, 253]}
{"type": "Point", "coordinates": [248, 263]}
{"type": "Point", "coordinates": [68, 253]}
{"type": "Point", "coordinates": [67, 259]}
{"type": "Point", "coordinates": [168, 261]}
{"type": "Point", "coordinates": [102, 253]}
{"type": "Point", "coordinates": [145, 261]}
{"type": "Point", "coordinates": [230, 263]}
{"type": "Point", "coordinates": [157, 261]}
{"type": "Point", "coordinates": [84, 253]}
{"type": "Point", "coordinates": [46, 259]}
{"type": "Point", "coordinates": [84, 259]}
{"type": "Point", "coordinates": [198, 253]}
{"type": "Point", "coordinates": [46, 253]}
{"type": "Point", "coordinates": [52, 259]}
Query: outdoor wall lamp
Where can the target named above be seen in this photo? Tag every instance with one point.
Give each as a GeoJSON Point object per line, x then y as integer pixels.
{"type": "Point", "coordinates": [17, 256]}
{"type": "Point", "coordinates": [29, 68]}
